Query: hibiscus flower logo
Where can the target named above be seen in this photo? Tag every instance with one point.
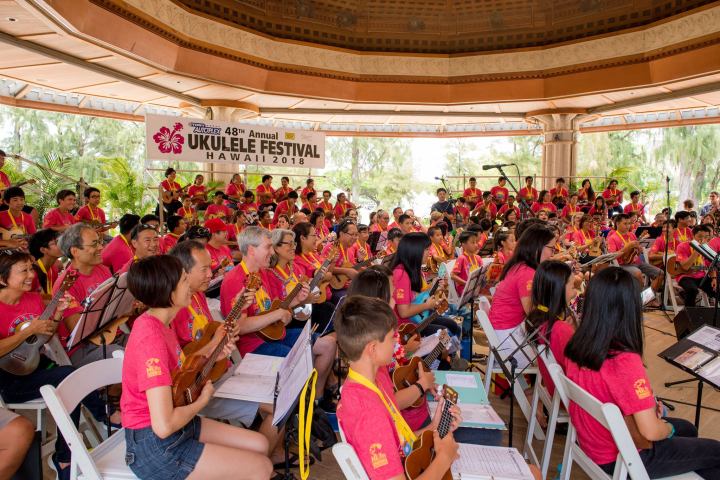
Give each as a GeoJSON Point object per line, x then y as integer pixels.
{"type": "Point", "coordinates": [170, 140]}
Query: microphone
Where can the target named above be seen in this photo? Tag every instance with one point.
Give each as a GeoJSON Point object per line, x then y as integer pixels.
{"type": "Point", "coordinates": [440, 178]}
{"type": "Point", "coordinates": [497, 165]}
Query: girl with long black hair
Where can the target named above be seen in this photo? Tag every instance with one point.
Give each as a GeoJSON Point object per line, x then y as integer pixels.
{"type": "Point", "coordinates": [512, 300]}
{"type": "Point", "coordinates": [604, 357]}
{"type": "Point", "coordinates": [412, 252]}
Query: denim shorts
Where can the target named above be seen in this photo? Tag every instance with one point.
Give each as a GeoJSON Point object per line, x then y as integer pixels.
{"type": "Point", "coordinates": [173, 458]}
{"type": "Point", "coordinates": [282, 347]}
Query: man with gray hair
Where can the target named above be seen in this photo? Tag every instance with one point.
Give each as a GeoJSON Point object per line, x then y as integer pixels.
{"type": "Point", "coordinates": [83, 246]}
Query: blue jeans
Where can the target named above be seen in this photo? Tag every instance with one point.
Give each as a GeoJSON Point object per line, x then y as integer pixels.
{"type": "Point", "coordinates": [282, 347]}
{"type": "Point", "coordinates": [173, 458]}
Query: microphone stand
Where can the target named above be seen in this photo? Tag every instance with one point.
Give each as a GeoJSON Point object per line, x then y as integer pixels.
{"type": "Point", "coordinates": [524, 207]}
{"type": "Point", "coordinates": [450, 200]}
{"type": "Point", "coordinates": [667, 244]}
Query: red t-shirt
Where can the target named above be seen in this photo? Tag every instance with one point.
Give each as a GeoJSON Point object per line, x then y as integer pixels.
{"type": "Point", "coordinates": [581, 238]}
{"type": "Point", "coordinates": [235, 281]}
{"type": "Point", "coordinates": [217, 211]}
{"type": "Point", "coordinates": [369, 428]}
{"type": "Point", "coordinates": [464, 212]}
{"type": "Point", "coordinates": [682, 253]}
{"type": "Point", "coordinates": [233, 232]}
{"type": "Point", "coordinates": [463, 266]}
{"type": "Point", "coordinates": [506, 207]}
{"type": "Point", "coordinates": [218, 254]}
{"type": "Point", "coordinates": [569, 210]}
{"type": "Point", "coordinates": [631, 208]}
{"type": "Point", "coordinates": [282, 193]}
{"type": "Point", "coordinates": [117, 253]}
{"type": "Point", "coordinates": [305, 191]}
{"type": "Point", "coordinates": [562, 193]}
{"type": "Point", "coordinates": [152, 354]}
{"type": "Point", "coordinates": [507, 310]}
{"type": "Point", "coordinates": [658, 245]}
{"type": "Point", "coordinates": [715, 244]}
{"type": "Point", "coordinates": [341, 208]}
{"type": "Point", "coordinates": [622, 380]}
{"type": "Point", "coordinates": [56, 218]}
{"type": "Point", "coordinates": [80, 290]}
{"type": "Point", "coordinates": [529, 194]}
{"type": "Point", "coordinates": [326, 206]}
{"type": "Point", "coordinates": [683, 234]}
{"type": "Point", "coordinates": [4, 180]}
{"type": "Point", "coordinates": [284, 208]}
{"type": "Point", "coordinates": [53, 272]}
{"type": "Point", "coordinates": [616, 242]}
{"type": "Point", "coordinates": [247, 207]}
{"type": "Point", "coordinates": [561, 334]}
{"type": "Point", "coordinates": [263, 189]}
{"type": "Point", "coordinates": [307, 264]}
{"type": "Point", "coordinates": [537, 206]}
{"type": "Point", "coordinates": [90, 214]}
{"type": "Point", "coordinates": [170, 187]}
{"type": "Point", "coordinates": [492, 208]}
{"type": "Point", "coordinates": [27, 309]}
{"type": "Point", "coordinates": [472, 195]}
{"type": "Point", "coordinates": [196, 190]}
{"type": "Point", "coordinates": [182, 324]}
{"type": "Point", "coordinates": [403, 293]}
{"type": "Point", "coordinates": [617, 194]}
{"type": "Point", "coordinates": [499, 193]}
{"type": "Point", "coordinates": [188, 214]}
{"type": "Point", "coordinates": [233, 190]}
{"type": "Point", "coordinates": [167, 242]}
{"type": "Point", "coordinates": [23, 221]}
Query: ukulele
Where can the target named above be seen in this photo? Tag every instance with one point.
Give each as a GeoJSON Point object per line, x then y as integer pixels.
{"type": "Point", "coordinates": [423, 453]}
{"type": "Point", "coordinates": [629, 256]}
{"type": "Point", "coordinates": [339, 280]}
{"type": "Point", "coordinates": [408, 330]}
{"type": "Point", "coordinates": [674, 267]}
{"type": "Point", "coordinates": [170, 196]}
{"type": "Point", "coordinates": [107, 336]}
{"type": "Point", "coordinates": [197, 370]}
{"type": "Point", "coordinates": [423, 296]}
{"type": "Point", "coordinates": [202, 197]}
{"type": "Point", "coordinates": [24, 359]}
{"type": "Point", "coordinates": [304, 312]}
{"type": "Point", "coordinates": [14, 233]}
{"type": "Point", "coordinates": [276, 331]}
{"type": "Point", "coordinates": [406, 375]}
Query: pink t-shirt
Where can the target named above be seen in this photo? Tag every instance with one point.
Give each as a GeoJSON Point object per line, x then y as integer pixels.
{"type": "Point", "coordinates": [284, 208]}
{"type": "Point", "coordinates": [86, 215]}
{"type": "Point", "coordinates": [561, 334]}
{"type": "Point", "coordinates": [28, 308]}
{"type": "Point", "coordinates": [217, 211]}
{"type": "Point", "coordinates": [537, 206]}
{"type": "Point", "coordinates": [117, 253]}
{"type": "Point", "coordinates": [682, 253]}
{"type": "Point", "coordinates": [658, 245]}
{"type": "Point", "coordinates": [182, 324]}
{"type": "Point", "coordinates": [581, 238]}
{"type": "Point", "coordinates": [402, 294]}
{"type": "Point", "coordinates": [307, 264]}
{"type": "Point", "coordinates": [80, 290]}
{"type": "Point", "coordinates": [234, 281]}
{"type": "Point", "coordinates": [507, 310]}
{"type": "Point", "coordinates": [263, 189]}
{"type": "Point", "coordinates": [616, 242]}
{"type": "Point", "coordinates": [152, 355]}
{"type": "Point", "coordinates": [463, 267]}
{"type": "Point", "coordinates": [621, 380]}
{"type": "Point", "coordinates": [715, 244]}
{"type": "Point", "coordinates": [218, 254]}
{"type": "Point", "coordinates": [56, 218]}
{"type": "Point", "coordinates": [167, 242]}
{"type": "Point", "coordinates": [372, 434]}
{"type": "Point", "coordinates": [23, 221]}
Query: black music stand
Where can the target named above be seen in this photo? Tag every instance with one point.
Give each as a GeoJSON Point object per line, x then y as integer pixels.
{"type": "Point", "coordinates": [477, 280]}
{"type": "Point", "coordinates": [712, 256]}
{"type": "Point", "coordinates": [110, 300]}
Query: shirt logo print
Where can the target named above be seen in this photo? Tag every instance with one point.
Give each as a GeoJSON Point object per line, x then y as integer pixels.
{"type": "Point", "coordinates": [377, 458]}
{"type": "Point", "coordinates": [152, 367]}
{"type": "Point", "coordinates": [642, 389]}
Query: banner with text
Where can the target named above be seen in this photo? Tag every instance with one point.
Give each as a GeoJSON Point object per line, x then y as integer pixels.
{"type": "Point", "coordinates": [178, 139]}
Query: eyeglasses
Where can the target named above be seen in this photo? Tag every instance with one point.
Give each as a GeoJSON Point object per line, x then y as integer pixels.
{"type": "Point", "coordinates": [95, 244]}
{"type": "Point", "coordinates": [201, 232]}
{"type": "Point", "coordinates": [292, 244]}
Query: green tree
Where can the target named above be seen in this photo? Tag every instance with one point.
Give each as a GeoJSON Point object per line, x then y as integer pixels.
{"type": "Point", "coordinates": [461, 158]}
{"type": "Point", "coordinates": [376, 170]}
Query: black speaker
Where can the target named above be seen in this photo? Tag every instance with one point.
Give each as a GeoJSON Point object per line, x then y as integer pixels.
{"type": "Point", "coordinates": [691, 318]}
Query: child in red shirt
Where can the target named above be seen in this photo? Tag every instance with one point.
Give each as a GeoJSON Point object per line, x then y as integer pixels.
{"type": "Point", "coordinates": [369, 412]}
{"type": "Point", "coordinates": [468, 261]}
{"type": "Point", "coordinates": [499, 192]}
{"type": "Point", "coordinates": [159, 436]}
{"type": "Point", "coordinates": [604, 357]}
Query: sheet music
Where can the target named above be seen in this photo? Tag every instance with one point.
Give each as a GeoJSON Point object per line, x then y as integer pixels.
{"type": "Point", "coordinates": [475, 415]}
{"type": "Point", "coordinates": [426, 345]}
{"type": "Point", "coordinates": [253, 380]}
{"type": "Point", "coordinates": [494, 463]}
{"type": "Point", "coordinates": [708, 337]}
{"type": "Point", "coordinates": [465, 381]}
{"type": "Point", "coordinates": [711, 371]}
{"type": "Point", "coordinates": [294, 372]}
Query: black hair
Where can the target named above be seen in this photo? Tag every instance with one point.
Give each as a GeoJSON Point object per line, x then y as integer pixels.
{"type": "Point", "coordinates": [169, 171]}
{"type": "Point", "coordinates": [486, 225]}
{"type": "Point", "coordinates": [612, 320]}
{"type": "Point", "coordinates": [221, 194]}
{"type": "Point", "coordinates": [371, 283]}
{"type": "Point", "coordinates": [473, 219]}
{"type": "Point", "coordinates": [13, 192]}
{"type": "Point", "coordinates": [127, 222]}
{"type": "Point", "coordinates": [293, 194]}
{"type": "Point", "coordinates": [602, 200]}
{"type": "Point", "coordinates": [394, 233]}
{"type": "Point", "coordinates": [443, 226]}
{"type": "Point", "coordinates": [247, 194]}
{"type": "Point", "coordinates": [472, 179]}
{"type": "Point", "coordinates": [509, 212]}
{"type": "Point", "coordinates": [500, 179]}
{"type": "Point", "coordinates": [173, 222]}
{"type": "Point", "coordinates": [681, 215]}
{"type": "Point", "coordinates": [620, 217]}
{"type": "Point", "coordinates": [466, 235]}
{"type": "Point", "coordinates": [63, 194]}
{"type": "Point", "coordinates": [139, 228]}
{"type": "Point", "coordinates": [306, 211]}
{"type": "Point", "coordinates": [634, 193]}
{"type": "Point", "coordinates": [360, 321]}
{"type": "Point", "coordinates": [528, 178]}
{"type": "Point", "coordinates": [194, 232]}
{"type": "Point", "coordinates": [301, 229]}
{"type": "Point", "coordinates": [309, 195]}
{"type": "Point", "coordinates": [327, 191]}
{"type": "Point", "coordinates": [183, 252]}
{"type": "Point", "coordinates": [431, 230]}
{"type": "Point", "coordinates": [410, 255]}
{"type": "Point", "coordinates": [152, 280]}
{"type": "Point", "coordinates": [499, 238]}
{"type": "Point", "coordinates": [702, 227]}
{"type": "Point", "coordinates": [548, 296]}
{"type": "Point", "coordinates": [611, 181]}
{"type": "Point", "coordinates": [529, 248]}
{"type": "Point", "coordinates": [440, 190]}
{"type": "Point", "coordinates": [8, 258]}
{"type": "Point", "coordinates": [150, 218]}
{"type": "Point", "coordinates": [362, 227]}
{"type": "Point", "coordinates": [542, 194]}
{"type": "Point", "coordinates": [41, 239]}
{"type": "Point", "coordinates": [344, 225]}
{"type": "Point", "coordinates": [315, 215]}
{"type": "Point", "coordinates": [403, 217]}
{"type": "Point", "coordinates": [89, 191]}
{"type": "Point", "coordinates": [559, 180]}
{"type": "Point", "coordinates": [265, 177]}
{"type": "Point", "coordinates": [307, 182]}
{"type": "Point", "coordinates": [527, 223]}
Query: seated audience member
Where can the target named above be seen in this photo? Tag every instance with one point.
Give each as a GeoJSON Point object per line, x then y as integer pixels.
{"type": "Point", "coordinates": [636, 207]}
{"type": "Point", "coordinates": [513, 295]}
{"type": "Point", "coordinates": [176, 226]}
{"type": "Point", "coordinates": [265, 192]}
{"type": "Point", "coordinates": [559, 194]}
{"type": "Point", "coordinates": [343, 266]}
{"type": "Point", "coordinates": [60, 218]}
{"type": "Point", "coordinates": [366, 334]}
{"type": "Point", "coordinates": [247, 204]}
{"type": "Point", "coordinates": [14, 219]}
{"type": "Point", "coordinates": [499, 192]}
{"type": "Point", "coordinates": [145, 242]}
{"type": "Point", "coordinates": [187, 211]}
{"type": "Point", "coordinates": [695, 266]}
{"type": "Point", "coordinates": [234, 191]}
{"type": "Point", "coordinates": [285, 188]}
{"type": "Point", "coordinates": [286, 207]}
{"type": "Point", "coordinates": [44, 248]}
{"type": "Point", "coordinates": [16, 436]}
{"type": "Point", "coordinates": [197, 194]}
{"type": "Point", "coordinates": [605, 357]}
{"type": "Point", "coordinates": [342, 206]}
{"type": "Point", "coordinates": [393, 240]}
{"type": "Point", "coordinates": [162, 440]}
{"type": "Point", "coordinates": [544, 204]}
{"type": "Point", "coordinates": [171, 193]}
{"type": "Point", "coordinates": [468, 262]}
{"type": "Point", "coordinates": [217, 209]}
{"type": "Point", "coordinates": [683, 230]}
{"type": "Point", "coordinates": [119, 251]}
{"type": "Point", "coordinates": [586, 194]}
{"type": "Point", "coordinates": [503, 248]}
{"type": "Point", "coordinates": [485, 208]}
{"type": "Point", "coordinates": [91, 212]}
{"type": "Point", "coordinates": [360, 250]}
{"type": "Point", "coordinates": [528, 192]}
{"type": "Point", "coordinates": [217, 246]}
{"type": "Point", "coordinates": [613, 198]}
{"type": "Point", "coordinates": [472, 194]}
{"type": "Point", "coordinates": [152, 220]}
{"type": "Point", "coordinates": [666, 239]}
{"type": "Point", "coordinates": [197, 233]}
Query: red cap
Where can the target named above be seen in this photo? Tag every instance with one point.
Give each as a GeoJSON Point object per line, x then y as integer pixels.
{"type": "Point", "coordinates": [215, 225]}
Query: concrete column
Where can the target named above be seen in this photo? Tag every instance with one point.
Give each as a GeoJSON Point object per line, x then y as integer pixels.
{"type": "Point", "coordinates": [560, 132]}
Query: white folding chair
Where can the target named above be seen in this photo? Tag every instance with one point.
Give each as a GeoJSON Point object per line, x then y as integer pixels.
{"type": "Point", "coordinates": [552, 404]}
{"type": "Point", "coordinates": [107, 460]}
{"type": "Point", "coordinates": [347, 459]}
{"type": "Point", "coordinates": [628, 461]}
{"type": "Point", "coordinates": [453, 297]}
{"type": "Point", "coordinates": [491, 368]}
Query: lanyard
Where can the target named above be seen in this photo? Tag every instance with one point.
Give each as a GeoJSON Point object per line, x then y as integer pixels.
{"type": "Point", "coordinates": [683, 234]}
{"type": "Point", "coordinates": [312, 260]}
{"type": "Point", "coordinates": [48, 278]}
{"type": "Point", "coordinates": [357, 242]}
{"type": "Point", "coordinates": [289, 283]}
{"type": "Point", "coordinates": [344, 254]}
{"type": "Point", "coordinates": [22, 220]}
{"type": "Point", "coordinates": [625, 242]}
{"type": "Point", "coordinates": [262, 299]}
{"type": "Point", "coordinates": [304, 423]}
{"type": "Point", "coordinates": [440, 251]}
{"type": "Point", "coordinates": [126, 242]}
{"type": "Point", "coordinates": [92, 214]}
{"type": "Point", "coordinates": [405, 433]}
{"type": "Point", "coordinates": [199, 320]}
{"type": "Point", "coordinates": [473, 262]}
{"type": "Point", "coordinates": [586, 240]}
